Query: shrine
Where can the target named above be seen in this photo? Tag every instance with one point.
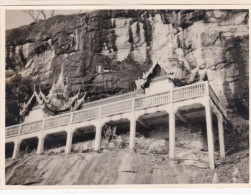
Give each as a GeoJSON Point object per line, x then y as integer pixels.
{"type": "Point", "coordinates": [160, 89]}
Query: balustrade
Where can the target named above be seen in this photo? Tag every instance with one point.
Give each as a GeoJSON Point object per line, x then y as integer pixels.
{"type": "Point", "coordinates": [57, 121]}
{"type": "Point", "coordinates": [116, 107]}
{"type": "Point", "coordinates": [152, 100]}
{"type": "Point", "coordinates": [12, 130]}
{"type": "Point", "coordinates": [31, 127]}
{"type": "Point", "coordinates": [186, 92]}
{"type": "Point", "coordinates": [84, 115]}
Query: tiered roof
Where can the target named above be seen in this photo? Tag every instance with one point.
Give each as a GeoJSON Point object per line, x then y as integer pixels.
{"type": "Point", "coordinates": [56, 101]}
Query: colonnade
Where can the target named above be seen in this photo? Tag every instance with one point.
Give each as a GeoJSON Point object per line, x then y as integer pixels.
{"type": "Point", "coordinates": [171, 109]}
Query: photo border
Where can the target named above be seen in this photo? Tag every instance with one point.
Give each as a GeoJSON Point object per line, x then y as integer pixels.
{"type": "Point", "coordinates": [115, 186]}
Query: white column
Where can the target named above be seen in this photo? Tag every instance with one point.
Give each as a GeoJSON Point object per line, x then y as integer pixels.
{"type": "Point", "coordinates": [40, 147]}
{"type": "Point", "coordinates": [210, 138]}
{"type": "Point", "coordinates": [171, 133]}
{"type": "Point", "coordinates": [68, 142]}
{"type": "Point", "coordinates": [221, 135]}
{"type": "Point", "coordinates": [16, 150]}
{"type": "Point", "coordinates": [132, 133]}
{"type": "Point", "coordinates": [97, 142]}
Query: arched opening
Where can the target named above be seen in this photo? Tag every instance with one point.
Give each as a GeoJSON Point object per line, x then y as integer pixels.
{"type": "Point", "coordinates": [28, 146]}
{"type": "Point", "coordinates": [191, 134]}
{"type": "Point", "coordinates": [55, 143]}
{"type": "Point", "coordinates": [9, 149]}
{"type": "Point", "coordinates": [115, 134]}
{"type": "Point", "coordinates": [152, 133]}
{"type": "Point", "coordinates": [83, 139]}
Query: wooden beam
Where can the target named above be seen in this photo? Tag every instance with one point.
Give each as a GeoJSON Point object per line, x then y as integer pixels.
{"type": "Point", "coordinates": [181, 117]}
{"type": "Point", "coordinates": [143, 124]}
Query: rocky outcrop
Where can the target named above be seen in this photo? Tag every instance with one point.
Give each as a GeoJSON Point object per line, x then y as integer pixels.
{"type": "Point", "coordinates": [121, 167]}
{"type": "Point", "coordinates": [104, 51]}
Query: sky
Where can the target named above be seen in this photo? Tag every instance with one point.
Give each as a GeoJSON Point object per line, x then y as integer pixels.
{"type": "Point", "coordinates": [17, 18]}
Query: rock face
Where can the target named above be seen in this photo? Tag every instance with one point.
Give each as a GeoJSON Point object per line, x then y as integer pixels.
{"type": "Point", "coordinates": [120, 167]}
{"type": "Point", "coordinates": [104, 51]}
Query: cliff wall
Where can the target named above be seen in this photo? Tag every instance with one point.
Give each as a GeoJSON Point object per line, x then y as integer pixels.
{"type": "Point", "coordinates": [104, 51]}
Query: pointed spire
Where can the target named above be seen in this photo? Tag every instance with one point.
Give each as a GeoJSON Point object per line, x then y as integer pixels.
{"type": "Point", "coordinates": [60, 82]}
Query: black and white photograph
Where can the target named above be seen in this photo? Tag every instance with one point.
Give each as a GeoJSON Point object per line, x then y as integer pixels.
{"type": "Point", "coordinates": [126, 96]}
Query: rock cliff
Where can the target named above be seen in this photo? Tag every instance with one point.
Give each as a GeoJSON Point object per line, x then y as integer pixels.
{"type": "Point", "coordinates": [104, 51]}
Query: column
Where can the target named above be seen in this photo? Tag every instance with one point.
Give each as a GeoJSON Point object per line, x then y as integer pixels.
{"type": "Point", "coordinates": [97, 142]}
{"type": "Point", "coordinates": [171, 133]}
{"type": "Point", "coordinates": [221, 135]}
{"type": "Point", "coordinates": [16, 150]}
{"type": "Point", "coordinates": [40, 147]}
{"type": "Point", "coordinates": [68, 142]}
{"type": "Point", "coordinates": [132, 133]}
{"type": "Point", "coordinates": [210, 138]}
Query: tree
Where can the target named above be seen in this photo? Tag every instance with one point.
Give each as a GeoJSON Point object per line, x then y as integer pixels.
{"type": "Point", "coordinates": [18, 91]}
{"type": "Point", "coordinates": [39, 14]}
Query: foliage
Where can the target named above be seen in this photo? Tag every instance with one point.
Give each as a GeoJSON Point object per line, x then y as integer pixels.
{"type": "Point", "coordinates": [109, 132]}
{"type": "Point", "coordinates": [18, 91]}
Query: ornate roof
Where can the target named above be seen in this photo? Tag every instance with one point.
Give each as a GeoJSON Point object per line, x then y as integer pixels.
{"type": "Point", "coordinates": [178, 75]}
{"type": "Point", "coordinates": [56, 101]}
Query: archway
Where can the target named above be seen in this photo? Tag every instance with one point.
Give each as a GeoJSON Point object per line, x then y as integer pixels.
{"type": "Point", "coordinates": [191, 134]}
{"type": "Point", "coordinates": [9, 149]}
{"type": "Point", "coordinates": [83, 139]}
{"type": "Point", "coordinates": [115, 134]}
{"type": "Point", "coordinates": [152, 133]}
{"type": "Point", "coordinates": [28, 145]}
{"type": "Point", "coordinates": [55, 142]}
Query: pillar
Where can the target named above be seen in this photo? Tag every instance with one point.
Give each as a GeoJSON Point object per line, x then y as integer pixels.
{"type": "Point", "coordinates": [97, 142]}
{"type": "Point", "coordinates": [132, 133]}
{"type": "Point", "coordinates": [40, 147]}
{"type": "Point", "coordinates": [210, 138]}
{"type": "Point", "coordinates": [221, 135]}
{"type": "Point", "coordinates": [171, 133]}
{"type": "Point", "coordinates": [68, 142]}
{"type": "Point", "coordinates": [16, 150]}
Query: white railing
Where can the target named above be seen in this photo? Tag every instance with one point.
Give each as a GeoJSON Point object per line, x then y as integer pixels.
{"type": "Point", "coordinates": [108, 100]}
{"type": "Point", "coordinates": [152, 100]}
{"type": "Point", "coordinates": [84, 115]}
{"type": "Point", "coordinates": [122, 103]}
{"type": "Point", "coordinates": [57, 121]}
{"type": "Point", "coordinates": [115, 108]}
{"type": "Point", "coordinates": [31, 127]}
{"type": "Point", "coordinates": [12, 130]}
{"type": "Point", "coordinates": [191, 91]}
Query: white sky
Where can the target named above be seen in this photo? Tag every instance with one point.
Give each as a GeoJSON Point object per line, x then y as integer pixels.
{"type": "Point", "coordinates": [17, 18]}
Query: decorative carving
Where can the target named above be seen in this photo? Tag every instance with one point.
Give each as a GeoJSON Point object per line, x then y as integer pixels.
{"type": "Point", "coordinates": [57, 100]}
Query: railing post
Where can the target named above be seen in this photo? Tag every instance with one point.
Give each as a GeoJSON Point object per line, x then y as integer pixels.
{"type": "Point", "coordinates": [207, 88]}
{"type": "Point", "coordinates": [171, 95]}
{"type": "Point", "coordinates": [19, 129]}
